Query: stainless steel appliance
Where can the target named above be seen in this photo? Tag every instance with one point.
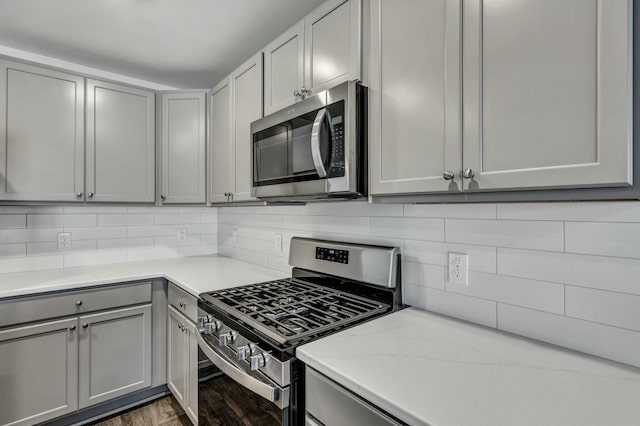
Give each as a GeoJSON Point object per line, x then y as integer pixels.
{"type": "Point", "coordinates": [315, 149]}
{"type": "Point", "coordinates": [250, 333]}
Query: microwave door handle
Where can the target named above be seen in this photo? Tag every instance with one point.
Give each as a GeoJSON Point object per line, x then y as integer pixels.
{"type": "Point", "coordinates": [318, 161]}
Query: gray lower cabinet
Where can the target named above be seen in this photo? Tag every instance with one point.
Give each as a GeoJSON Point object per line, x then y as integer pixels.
{"type": "Point", "coordinates": [41, 134]}
{"type": "Point", "coordinates": [182, 362]}
{"type": "Point", "coordinates": [38, 371]}
{"type": "Point", "coordinates": [182, 148]}
{"type": "Point", "coordinates": [115, 354]}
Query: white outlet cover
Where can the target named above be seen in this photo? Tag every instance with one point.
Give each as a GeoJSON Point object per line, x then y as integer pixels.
{"type": "Point", "coordinates": [64, 241]}
{"type": "Point", "coordinates": [234, 235]}
{"type": "Point", "coordinates": [458, 268]}
{"type": "Point", "coordinates": [182, 235]}
{"type": "Point", "coordinates": [279, 243]}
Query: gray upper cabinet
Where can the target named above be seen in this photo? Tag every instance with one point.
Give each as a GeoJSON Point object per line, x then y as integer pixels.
{"type": "Point", "coordinates": [38, 372]}
{"type": "Point", "coordinates": [546, 99]}
{"type": "Point", "coordinates": [547, 93]}
{"type": "Point", "coordinates": [284, 69]}
{"type": "Point", "coordinates": [414, 96]}
{"type": "Point", "coordinates": [323, 50]}
{"type": "Point", "coordinates": [246, 107]}
{"type": "Point", "coordinates": [41, 134]}
{"type": "Point", "coordinates": [183, 148]}
{"type": "Point", "coordinates": [120, 139]}
{"type": "Point", "coordinates": [333, 40]}
{"type": "Point", "coordinates": [220, 147]}
{"type": "Point", "coordinates": [115, 354]}
{"type": "Point", "coordinates": [235, 103]}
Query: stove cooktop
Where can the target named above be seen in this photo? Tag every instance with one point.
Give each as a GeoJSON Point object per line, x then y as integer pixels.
{"type": "Point", "coordinates": [291, 309]}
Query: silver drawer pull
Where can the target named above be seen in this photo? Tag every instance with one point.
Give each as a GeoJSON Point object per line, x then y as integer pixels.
{"type": "Point", "coordinates": [72, 328]}
{"type": "Point", "coordinates": [85, 325]}
{"type": "Point", "coordinates": [79, 303]}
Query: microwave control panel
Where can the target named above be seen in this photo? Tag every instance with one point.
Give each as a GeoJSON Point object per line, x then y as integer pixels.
{"type": "Point", "coordinates": [332, 255]}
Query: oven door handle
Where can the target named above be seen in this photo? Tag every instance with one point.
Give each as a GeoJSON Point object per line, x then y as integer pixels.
{"type": "Point", "coordinates": [316, 155]}
{"type": "Point", "coordinates": [257, 386]}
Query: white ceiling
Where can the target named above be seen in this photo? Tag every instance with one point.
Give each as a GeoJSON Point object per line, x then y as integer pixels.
{"type": "Point", "coordinates": [179, 43]}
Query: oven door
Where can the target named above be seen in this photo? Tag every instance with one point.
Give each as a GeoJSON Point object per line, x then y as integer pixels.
{"type": "Point", "coordinates": [232, 395]}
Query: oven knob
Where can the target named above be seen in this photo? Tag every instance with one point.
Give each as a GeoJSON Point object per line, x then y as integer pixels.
{"type": "Point", "coordinates": [258, 361]}
{"type": "Point", "coordinates": [247, 350]}
{"type": "Point", "coordinates": [203, 320]}
{"type": "Point", "coordinates": [226, 338]}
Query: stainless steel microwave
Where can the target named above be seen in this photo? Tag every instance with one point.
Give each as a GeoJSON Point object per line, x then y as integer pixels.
{"type": "Point", "coordinates": [315, 149]}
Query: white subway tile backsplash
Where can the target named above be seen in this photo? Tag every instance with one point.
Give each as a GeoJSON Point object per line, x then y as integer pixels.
{"type": "Point", "coordinates": [199, 250]}
{"type": "Point", "coordinates": [606, 273]}
{"type": "Point", "coordinates": [456, 305]}
{"type": "Point", "coordinates": [362, 208]}
{"type": "Point", "coordinates": [209, 218]}
{"type": "Point", "coordinates": [175, 219]}
{"type": "Point", "coordinates": [481, 258]}
{"type": "Point", "coordinates": [11, 250]}
{"type": "Point", "coordinates": [28, 235]}
{"type": "Point", "coordinates": [96, 233]}
{"type": "Point", "coordinates": [13, 221]}
{"type": "Point", "coordinates": [138, 254]}
{"type": "Point", "coordinates": [607, 239]}
{"type": "Point", "coordinates": [408, 228]}
{"type": "Point", "coordinates": [37, 249]}
{"type": "Point", "coordinates": [120, 243]}
{"type": "Point", "coordinates": [597, 339]}
{"type": "Point", "coordinates": [532, 294]}
{"type": "Point", "coordinates": [60, 220]}
{"type": "Point", "coordinates": [94, 209]}
{"type": "Point", "coordinates": [151, 230]}
{"type": "Point", "coordinates": [606, 307]}
{"type": "Point", "coordinates": [580, 212]}
{"type": "Point", "coordinates": [357, 225]}
{"type": "Point", "coordinates": [124, 219]}
{"type": "Point", "coordinates": [537, 235]}
{"type": "Point", "coordinates": [421, 274]}
{"type": "Point", "coordinates": [35, 263]}
{"type": "Point", "coordinates": [94, 258]}
{"type": "Point", "coordinates": [454, 211]}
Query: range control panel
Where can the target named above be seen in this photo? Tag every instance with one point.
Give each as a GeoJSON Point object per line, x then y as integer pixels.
{"type": "Point", "coordinates": [332, 255]}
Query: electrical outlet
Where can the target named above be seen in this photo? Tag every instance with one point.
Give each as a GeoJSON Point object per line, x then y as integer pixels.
{"type": "Point", "coordinates": [458, 268]}
{"type": "Point", "coordinates": [279, 243]}
{"type": "Point", "coordinates": [64, 241]}
{"type": "Point", "coordinates": [234, 235]}
{"type": "Point", "coordinates": [182, 235]}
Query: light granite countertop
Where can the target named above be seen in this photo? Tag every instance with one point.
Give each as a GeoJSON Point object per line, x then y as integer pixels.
{"type": "Point", "coordinates": [426, 369]}
{"type": "Point", "coordinates": [193, 274]}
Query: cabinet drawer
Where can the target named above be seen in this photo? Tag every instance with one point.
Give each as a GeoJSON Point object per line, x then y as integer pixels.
{"type": "Point", "coordinates": [35, 308]}
{"type": "Point", "coordinates": [184, 302]}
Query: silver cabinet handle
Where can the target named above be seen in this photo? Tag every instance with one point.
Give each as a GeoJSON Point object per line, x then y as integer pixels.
{"type": "Point", "coordinates": [448, 175]}
{"type": "Point", "coordinates": [183, 305]}
{"type": "Point", "coordinates": [78, 303]}
{"type": "Point", "coordinates": [305, 92]}
{"type": "Point", "coordinates": [162, 197]}
{"type": "Point", "coordinates": [79, 194]}
{"type": "Point", "coordinates": [90, 195]}
{"type": "Point", "coordinates": [467, 173]}
{"type": "Point", "coordinates": [85, 325]}
{"type": "Point", "coordinates": [252, 382]}
{"type": "Point", "coordinates": [72, 328]}
{"type": "Point", "coordinates": [315, 140]}
{"type": "Point", "coordinates": [297, 93]}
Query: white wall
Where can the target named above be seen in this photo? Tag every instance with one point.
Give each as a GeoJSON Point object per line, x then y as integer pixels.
{"type": "Point", "coordinates": [564, 273]}
{"type": "Point", "coordinates": [100, 235]}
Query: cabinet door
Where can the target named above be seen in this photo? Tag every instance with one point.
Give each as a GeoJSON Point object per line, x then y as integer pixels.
{"type": "Point", "coordinates": [547, 93]}
{"type": "Point", "coordinates": [115, 354]}
{"type": "Point", "coordinates": [183, 143]}
{"type": "Point", "coordinates": [120, 143]}
{"type": "Point", "coordinates": [415, 119]}
{"type": "Point", "coordinates": [41, 134]}
{"type": "Point", "coordinates": [191, 407]}
{"type": "Point", "coordinates": [246, 101]}
{"type": "Point", "coordinates": [284, 69]}
{"type": "Point", "coordinates": [221, 155]}
{"type": "Point", "coordinates": [177, 357]}
{"type": "Point", "coordinates": [333, 40]}
{"type": "Point", "coordinates": [38, 372]}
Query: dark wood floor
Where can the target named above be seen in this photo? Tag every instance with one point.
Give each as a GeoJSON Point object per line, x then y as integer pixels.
{"type": "Point", "coordinates": [164, 411]}
{"type": "Point", "coordinates": [223, 402]}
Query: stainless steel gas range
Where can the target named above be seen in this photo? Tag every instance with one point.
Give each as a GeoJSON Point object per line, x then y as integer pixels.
{"type": "Point", "coordinates": [250, 333]}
